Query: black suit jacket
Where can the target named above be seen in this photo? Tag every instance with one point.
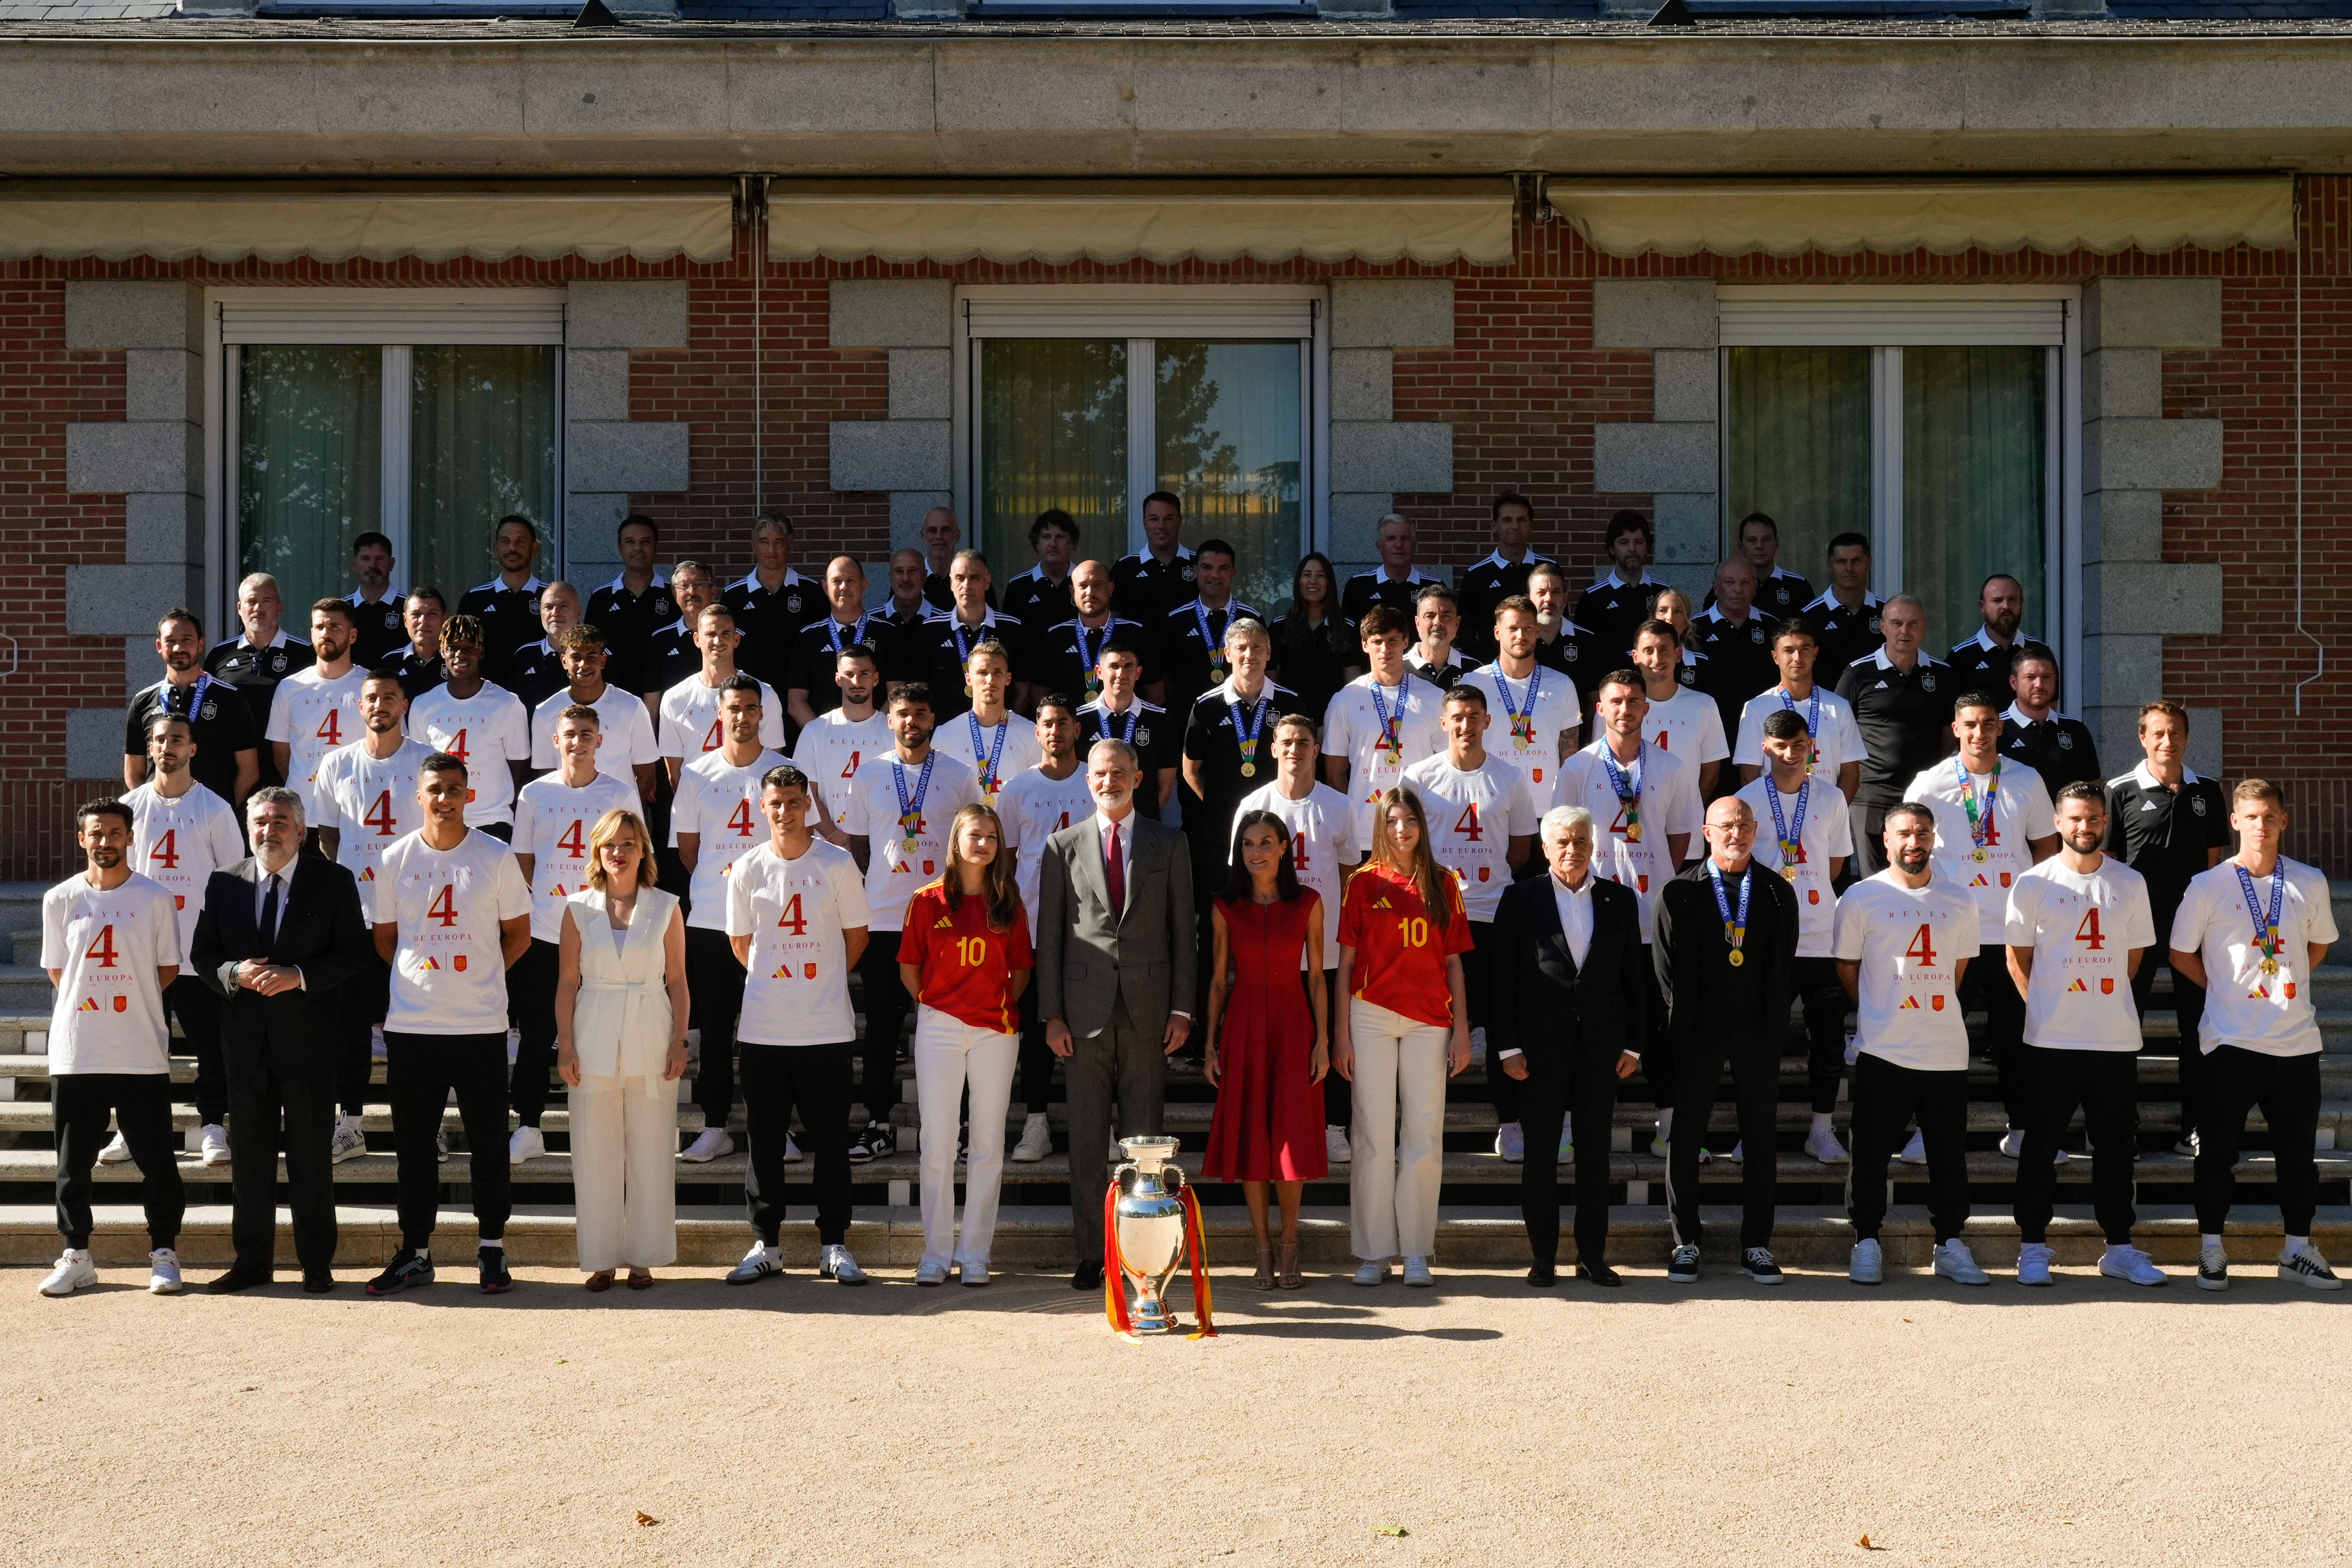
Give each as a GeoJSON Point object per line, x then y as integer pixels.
{"type": "Point", "coordinates": [1692, 955]}
{"type": "Point", "coordinates": [320, 930]}
{"type": "Point", "coordinates": [1547, 1006]}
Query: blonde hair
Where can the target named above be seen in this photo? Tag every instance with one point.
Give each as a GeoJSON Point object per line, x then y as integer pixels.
{"type": "Point", "coordinates": [1431, 882]}
{"type": "Point", "coordinates": [999, 893]}
{"type": "Point", "coordinates": [609, 826]}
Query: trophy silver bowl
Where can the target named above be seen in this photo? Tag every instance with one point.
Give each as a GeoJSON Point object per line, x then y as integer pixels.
{"type": "Point", "coordinates": [1149, 1221]}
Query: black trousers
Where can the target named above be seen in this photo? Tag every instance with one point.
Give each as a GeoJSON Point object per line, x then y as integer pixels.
{"type": "Point", "coordinates": [1502, 1088]}
{"type": "Point", "coordinates": [888, 1006]}
{"type": "Point", "coordinates": [1036, 1059]}
{"type": "Point", "coordinates": [140, 1104]}
{"type": "Point", "coordinates": [1755, 1065]}
{"type": "Point", "coordinates": [1988, 986]}
{"type": "Point", "coordinates": [197, 1005]}
{"type": "Point", "coordinates": [1657, 1061]}
{"type": "Point", "coordinates": [501, 831]}
{"type": "Point", "coordinates": [1885, 1099]}
{"type": "Point", "coordinates": [1338, 1094]}
{"type": "Point", "coordinates": [531, 1005]}
{"type": "Point", "coordinates": [2188, 1008]}
{"type": "Point", "coordinates": [1869, 825]}
{"type": "Point", "coordinates": [2288, 1089]}
{"type": "Point", "coordinates": [363, 999]}
{"type": "Point", "coordinates": [2106, 1084]}
{"type": "Point", "coordinates": [1588, 1088]}
{"type": "Point", "coordinates": [260, 1101]}
{"type": "Point", "coordinates": [1825, 1010]}
{"type": "Point", "coordinates": [815, 1080]}
{"type": "Point", "coordinates": [714, 982]}
{"type": "Point", "coordinates": [422, 1070]}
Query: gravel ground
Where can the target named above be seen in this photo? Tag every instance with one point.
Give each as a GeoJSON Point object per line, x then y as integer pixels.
{"type": "Point", "coordinates": [794, 1422]}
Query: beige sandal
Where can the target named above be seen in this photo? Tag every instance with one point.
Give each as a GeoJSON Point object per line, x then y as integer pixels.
{"type": "Point", "coordinates": [1264, 1278]}
{"type": "Point", "coordinates": [1289, 1278]}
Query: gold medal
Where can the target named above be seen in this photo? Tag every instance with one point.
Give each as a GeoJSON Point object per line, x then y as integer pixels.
{"type": "Point", "coordinates": [2270, 966]}
{"type": "Point", "coordinates": [1788, 873]}
{"type": "Point", "coordinates": [1633, 833]}
{"type": "Point", "coordinates": [1738, 958]}
{"type": "Point", "coordinates": [1978, 855]}
{"type": "Point", "coordinates": [1249, 769]}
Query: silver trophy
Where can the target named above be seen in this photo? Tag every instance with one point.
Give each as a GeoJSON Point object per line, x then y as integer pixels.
{"type": "Point", "coordinates": [1149, 1221]}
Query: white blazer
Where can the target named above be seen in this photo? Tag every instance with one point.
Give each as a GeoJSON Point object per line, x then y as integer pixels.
{"type": "Point", "coordinates": [621, 1023]}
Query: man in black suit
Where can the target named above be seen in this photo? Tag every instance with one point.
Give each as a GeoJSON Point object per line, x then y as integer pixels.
{"type": "Point", "coordinates": [1571, 1002]}
{"type": "Point", "coordinates": [280, 931]}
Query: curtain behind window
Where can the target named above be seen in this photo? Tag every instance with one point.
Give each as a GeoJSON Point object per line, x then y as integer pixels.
{"type": "Point", "coordinates": [309, 465]}
{"type": "Point", "coordinates": [1973, 494]}
{"type": "Point", "coordinates": [1053, 432]}
{"type": "Point", "coordinates": [1799, 450]}
{"type": "Point", "coordinates": [482, 444]}
{"type": "Point", "coordinates": [1227, 429]}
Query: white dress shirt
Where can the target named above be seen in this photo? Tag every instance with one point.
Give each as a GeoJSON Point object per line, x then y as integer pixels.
{"type": "Point", "coordinates": [1575, 906]}
{"type": "Point", "coordinates": [284, 877]}
{"type": "Point", "coordinates": [1126, 826]}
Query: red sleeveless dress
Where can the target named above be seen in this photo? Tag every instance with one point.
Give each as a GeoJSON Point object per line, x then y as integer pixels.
{"type": "Point", "coordinates": [1270, 1119]}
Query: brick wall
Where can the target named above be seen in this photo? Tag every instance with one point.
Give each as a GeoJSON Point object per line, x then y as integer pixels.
{"type": "Point", "coordinates": [1521, 385]}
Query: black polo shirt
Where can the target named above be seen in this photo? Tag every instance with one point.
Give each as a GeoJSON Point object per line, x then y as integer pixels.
{"type": "Point", "coordinates": [1841, 636]}
{"type": "Point", "coordinates": [1980, 664]}
{"type": "Point", "coordinates": [377, 628]}
{"type": "Point", "coordinates": [2058, 748]}
{"type": "Point", "coordinates": [219, 721]}
{"type": "Point", "coordinates": [670, 657]}
{"type": "Point", "coordinates": [1738, 661]}
{"type": "Point", "coordinates": [1483, 587]}
{"type": "Point", "coordinates": [1365, 589]}
{"type": "Point", "coordinates": [1905, 721]}
{"type": "Point", "coordinates": [937, 652]}
{"type": "Point", "coordinates": [1193, 659]}
{"type": "Point", "coordinates": [417, 676]}
{"type": "Point", "coordinates": [1156, 735]}
{"type": "Point", "coordinates": [1035, 601]}
{"type": "Point", "coordinates": [1780, 596]}
{"type": "Point", "coordinates": [1307, 663]}
{"type": "Point", "coordinates": [1212, 739]}
{"type": "Point", "coordinates": [1057, 662]}
{"type": "Point", "coordinates": [629, 622]}
{"type": "Point", "coordinates": [815, 656]}
{"type": "Point", "coordinates": [255, 672]}
{"type": "Point", "coordinates": [1145, 588]}
{"type": "Point", "coordinates": [771, 620]}
{"type": "Point", "coordinates": [509, 618]}
{"type": "Point", "coordinates": [2166, 835]}
{"type": "Point", "coordinates": [535, 673]}
{"type": "Point", "coordinates": [1574, 655]}
{"type": "Point", "coordinates": [939, 593]}
{"type": "Point", "coordinates": [1610, 610]}
{"type": "Point", "coordinates": [1444, 676]}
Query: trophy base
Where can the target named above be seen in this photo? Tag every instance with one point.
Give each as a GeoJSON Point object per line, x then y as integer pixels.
{"type": "Point", "coordinates": [1151, 1315]}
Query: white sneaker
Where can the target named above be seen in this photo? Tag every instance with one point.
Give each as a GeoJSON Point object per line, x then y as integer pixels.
{"type": "Point", "coordinates": [525, 1143]}
{"type": "Point", "coordinates": [1416, 1273]}
{"type": "Point", "coordinates": [1738, 1154]}
{"type": "Point", "coordinates": [2187, 1146]}
{"type": "Point", "coordinates": [74, 1271]}
{"type": "Point", "coordinates": [2212, 1268]}
{"type": "Point", "coordinates": [838, 1266]}
{"type": "Point", "coordinates": [708, 1145]}
{"type": "Point", "coordinates": [1660, 1149]}
{"type": "Point", "coordinates": [759, 1263]}
{"type": "Point", "coordinates": [376, 1051]}
{"type": "Point", "coordinates": [1914, 1152]}
{"type": "Point", "coordinates": [350, 1142]}
{"type": "Point", "coordinates": [1373, 1273]}
{"type": "Point", "coordinates": [441, 1146]}
{"type": "Point", "coordinates": [1336, 1147]}
{"type": "Point", "coordinates": [1567, 1141]}
{"type": "Point", "coordinates": [1510, 1142]}
{"type": "Point", "coordinates": [974, 1276]}
{"type": "Point", "coordinates": [162, 1272]}
{"type": "Point", "coordinates": [1478, 1045]}
{"type": "Point", "coordinates": [1852, 1048]}
{"type": "Point", "coordinates": [792, 1155]}
{"type": "Point", "coordinates": [1956, 1263]}
{"type": "Point", "coordinates": [2303, 1266]}
{"type": "Point", "coordinates": [1822, 1144]}
{"type": "Point", "coordinates": [2033, 1264]}
{"type": "Point", "coordinates": [1869, 1263]}
{"type": "Point", "coordinates": [1036, 1140]}
{"type": "Point", "coordinates": [1118, 1156]}
{"type": "Point", "coordinates": [214, 1140]}
{"type": "Point", "coordinates": [117, 1153]}
{"type": "Point", "coordinates": [930, 1271]}
{"type": "Point", "coordinates": [2130, 1263]}
{"type": "Point", "coordinates": [2013, 1143]}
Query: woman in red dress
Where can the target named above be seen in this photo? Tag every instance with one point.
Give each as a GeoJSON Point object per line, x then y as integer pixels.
{"type": "Point", "coordinates": [1268, 1058]}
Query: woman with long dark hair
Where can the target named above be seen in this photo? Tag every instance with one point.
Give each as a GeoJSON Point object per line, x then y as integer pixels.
{"type": "Point", "coordinates": [1267, 1050]}
{"type": "Point", "coordinates": [965, 957]}
{"type": "Point", "coordinates": [1404, 1031]}
{"type": "Point", "coordinates": [1314, 646]}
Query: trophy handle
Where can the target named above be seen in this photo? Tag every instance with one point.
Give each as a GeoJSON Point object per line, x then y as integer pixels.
{"type": "Point", "coordinates": [1172, 1176]}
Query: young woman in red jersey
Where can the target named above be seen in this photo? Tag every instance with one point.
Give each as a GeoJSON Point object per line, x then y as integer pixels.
{"type": "Point", "coordinates": [1269, 1056]}
{"type": "Point", "coordinates": [1405, 1029]}
{"type": "Point", "coordinates": [965, 957]}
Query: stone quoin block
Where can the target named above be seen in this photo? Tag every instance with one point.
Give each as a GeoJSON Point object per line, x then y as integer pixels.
{"type": "Point", "coordinates": [650, 314]}
{"type": "Point", "coordinates": [892, 313]}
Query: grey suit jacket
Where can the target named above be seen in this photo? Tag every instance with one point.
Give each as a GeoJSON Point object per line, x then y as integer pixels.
{"type": "Point", "coordinates": [1089, 958]}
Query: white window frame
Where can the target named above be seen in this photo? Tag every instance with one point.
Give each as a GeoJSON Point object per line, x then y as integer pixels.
{"type": "Point", "coordinates": [1142, 314]}
{"type": "Point", "coordinates": [394, 319]}
{"type": "Point", "coordinates": [1885, 317]}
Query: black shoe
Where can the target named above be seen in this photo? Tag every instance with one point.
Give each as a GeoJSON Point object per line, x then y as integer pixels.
{"type": "Point", "coordinates": [236, 1279]}
{"type": "Point", "coordinates": [1543, 1276]}
{"type": "Point", "coordinates": [1087, 1277]}
{"type": "Point", "coordinates": [408, 1266]}
{"type": "Point", "coordinates": [318, 1284]}
{"type": "Point", "coordinates": [496, 1280]}
{"type": "Point", "coordinates": [1600, 1274]}
{"type": "Point", "coordinates": [876, 1141]}
{"type": "Point", "coordinates": [1758, 1262]}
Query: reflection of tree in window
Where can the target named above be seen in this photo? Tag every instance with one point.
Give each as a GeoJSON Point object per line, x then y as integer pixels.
{"type": "Point", "coordinates": [310, 461]}
{"type": "Point", "coordinates": [1053, 433]}
{"type": "Point", "coordinates": [1227, 442]}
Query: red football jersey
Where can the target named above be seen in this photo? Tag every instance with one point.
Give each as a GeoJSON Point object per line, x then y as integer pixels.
{"type": "Point", "coordinates": [1400, 952]}
{"type": "Point", "coordinates": [967, 965]}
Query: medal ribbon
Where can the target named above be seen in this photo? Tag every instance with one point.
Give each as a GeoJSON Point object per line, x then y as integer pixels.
{"type": "Point", "coordinates": [1791, 844]}
{"type": "Point", "coordinates": [1978, 826]}
{"type": "Point", "coordinates": [910, 812]}
{"type": "Point", "coordinates": [1522, 724]}
{"type": "Point", "coordinates": [1213, 645]}
{"type": "Point", "coordinates": [2266, 932]}
{"type": "Point", "coordinates": [1391, 737]}
{"type": "Point", "coordinates": [1812, 724]}
{"type": "Point", "coordinates": [1133, 714]}
{"type": "Point", "coordinates": [833, 630]}
{"type": "Point", "coordinates": [988, 775]}
{"type": "Point", "coordinates": [1247, 737]}
{"type": "Point", "coordinates": [1735, 929]}
{"type": "Point", "coordinates": [1627, 783]}
{"type": "Point", "coordinates": [196, 697]}
{"type": "Point", "coordinates": [1086, 656]}
{"type": "Point", "coordinates": [963, 648]}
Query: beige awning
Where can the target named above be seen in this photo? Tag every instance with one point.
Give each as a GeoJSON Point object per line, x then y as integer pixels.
{"type": "Point", "coordinates": [1435, 221]}
{"type": "Point", "coordinates": [1787, 217]}
{"type": "Point", "coordinates": [598, 222]}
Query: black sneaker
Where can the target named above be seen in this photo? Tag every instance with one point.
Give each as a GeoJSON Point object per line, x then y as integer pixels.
{"type": "Point", "coordinates": [408, 1266]}
{"type": "Point", "coordinates": [1760, 1267]}
{"type": "Point", "coordinates": [2212, 1268]}
{"type": "Point", "coordinates": [1683, 1268]}
{"type": "Point", "coordinates": [876, 1141]}
{"type": "Point", "coordinates": [496, 1280]}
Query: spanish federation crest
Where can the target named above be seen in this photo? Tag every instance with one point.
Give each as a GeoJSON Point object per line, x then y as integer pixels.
{"type": "Point", "coordinates": [1687, 675]}
{"type": "Point", "coordinates": [1756, 634]}
{"type": "Point", "coordinates": [662, 607]}
{"type": "Point", "coordinates": [1185, 570]}
{"type": "Point", "coordinates": [2197, 804]}
{"type": "Point", "coordinates": [278, 662]}
{"type": "Point", "coordinates": [391, 622]}
{"type": "Point", "coordinates": [2065, 741]}
{"type": "Point", "coordinates": [211, 709]}
{"type": "Point", "coordinates": [1926, 683]}
{"type": "Point", "coordinates": [1143, 737]}
{"type": "Point", "coordinates": [1874, 626]}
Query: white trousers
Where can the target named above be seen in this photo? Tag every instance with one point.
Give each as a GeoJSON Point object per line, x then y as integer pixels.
{"type": "Point", "coordinates": [948, 1053]}
{"type": "Point", "coordinates": [1398, 1137]}
{"type": "Point", "coordinates": [624, 1172]}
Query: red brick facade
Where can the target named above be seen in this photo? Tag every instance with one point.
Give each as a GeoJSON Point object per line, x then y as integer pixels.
{"type": "Point", "coordinates": [1522, 387]}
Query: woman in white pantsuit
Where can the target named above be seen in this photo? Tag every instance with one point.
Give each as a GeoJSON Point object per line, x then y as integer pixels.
{"type": "Point", "coordinates": [621, 1008]}
{"type": "Point", "coordinates": [965, 957]}
{"type": "Point", "coordinates": [1405, 1029]}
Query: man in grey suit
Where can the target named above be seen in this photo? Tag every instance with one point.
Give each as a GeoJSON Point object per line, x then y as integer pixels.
{"type": "Point", "coordinates": [1116, 950]}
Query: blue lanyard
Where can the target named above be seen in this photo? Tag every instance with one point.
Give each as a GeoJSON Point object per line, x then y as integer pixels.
{"type": "Point", "coordinates": [1248, 736]}
{"type": "Point", "coordinates": [910, 812]}
{"type": "Point", "coordinates": [833, 630]}
{"type": "Point", "coordinates": [1813, 725]}
{"type": "Point", "coordinates": [196, 697]}
{"type": "Point", "coordinates": [2266, 932]}
{"type": "Point", "coordinates": [1792, 852]}
{"type": "Point", "coordinates": [1391, 737]}
{"type": "Point", "coordinates": [1086, 656]}
{"type": "Point", "coordinates": [1627, 783]}
{"type": "Point", "coordinates": [963, 648]}
{"type": "Point", "coordinates": [1133, 714]}
{"type": "Point", "coordinates": [1734, 932]}
{"type": "Point", "coordinates": [989, 781]}
{"type": "Point", "coordinates": [1523, 725]}
{"type": "Point", "coordinates": [1213, 645]}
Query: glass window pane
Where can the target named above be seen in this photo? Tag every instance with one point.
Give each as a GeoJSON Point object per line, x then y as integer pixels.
{"type": "Point", "coordinates": [309, 465]}
{"type": "Point", "coordinates": [1799, 448]}
{"type": "Point", "coordinates": [1973, 493]}
{"type": "Point", "coordinates": [1227, 432]}
{"type": "Point", "coordinates": [481, 444]}
{"type": "Point", "coordinates": [1053, 432]}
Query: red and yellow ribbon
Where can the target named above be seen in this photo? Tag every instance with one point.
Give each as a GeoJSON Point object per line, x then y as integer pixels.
{"type": "Point", "coordinates": [1115, 1309]}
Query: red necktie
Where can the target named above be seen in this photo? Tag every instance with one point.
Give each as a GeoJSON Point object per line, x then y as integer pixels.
{"type": "Point", "coordinates": [1115, 873]}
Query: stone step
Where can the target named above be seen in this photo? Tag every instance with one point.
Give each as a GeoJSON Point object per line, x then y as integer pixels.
{"type": "Point", "coordinates": [1479, 1237]}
